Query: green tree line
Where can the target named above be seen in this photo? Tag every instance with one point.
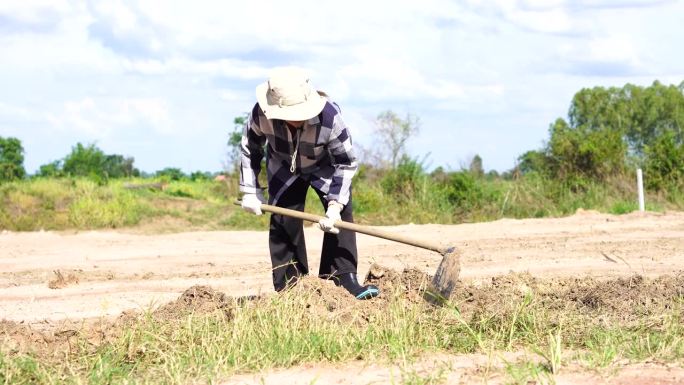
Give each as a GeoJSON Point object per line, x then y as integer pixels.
{"type": "Point", "coordinates": [612, 130]}
{"type": "Point", "coordinates": [608, 132]}
{"type": "Point", "coordinates": [82, 161]}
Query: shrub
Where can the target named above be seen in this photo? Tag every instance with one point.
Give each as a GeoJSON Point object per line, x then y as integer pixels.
{"type": "Point", "coordinates": [664, 164]}
{"type": "Point", "coordinates": [11, 159]}
{"type": "Point", "coordinates": [405, 180]}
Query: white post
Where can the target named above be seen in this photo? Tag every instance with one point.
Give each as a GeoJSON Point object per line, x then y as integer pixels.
{"type": "Point", "coordinates": [640, 189]}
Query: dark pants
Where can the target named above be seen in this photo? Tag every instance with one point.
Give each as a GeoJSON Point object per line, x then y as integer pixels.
{"type": "Point", "coordinates": [288, 248]}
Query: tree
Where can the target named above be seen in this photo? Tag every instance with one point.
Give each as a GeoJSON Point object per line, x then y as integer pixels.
{"type": "Point", "coordinates": [609, 130]}
{"type": "Point", "coordinates": [534, 161]}
{"type": "Point", "coordinates": [171, 173]}
{"type": "Point", "coordinates": [585, 153]}
{"type": "Point", "coordinates": [393, 133]}
{"type": "Point", "coordinates": [655, 111]}
{"type": "Point", "coordinates": [52, 169]}
{"type": "Point", "coordinates": [200, 175]}
{"type": "Point", "coordinates": [475, 167]}
{"type": "Point", "coordinates": [84, 161]}
{"type": "Point", "coordinates": [118, 166]}
{"type": "Point", "coordinates": [664, 166]}
{"type": "Point", "coordinates": [234, 139]}
{"type": "Point", "coordinates": [11, 159]}
{"type": "Point", "coordinates": [92, 162]}
{"type": "Point", "coordinates": [640, 114]}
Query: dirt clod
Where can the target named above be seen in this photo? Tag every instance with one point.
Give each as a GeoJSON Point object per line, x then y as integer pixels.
{"type": "Point", "coordinates": [411, 283]}
{"type": "Point", "coordinates": [624, 299]}
{"type": "Point", "coordinates": [198, 299]}
{"type": "Point", "coordinates": [60, 281]}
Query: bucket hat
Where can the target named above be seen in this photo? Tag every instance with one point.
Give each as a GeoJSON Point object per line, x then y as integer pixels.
{"type": "Point", "coordinates": [289, 95]}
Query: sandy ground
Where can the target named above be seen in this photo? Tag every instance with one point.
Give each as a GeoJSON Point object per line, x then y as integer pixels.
{"type": "Point", "coordinates": [470, 369]}
{"type": "Point", "coordinates": [117, 271]}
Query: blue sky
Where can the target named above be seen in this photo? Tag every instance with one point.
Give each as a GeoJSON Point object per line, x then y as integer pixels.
{"type": "Point", "coordinates": [162, 80]}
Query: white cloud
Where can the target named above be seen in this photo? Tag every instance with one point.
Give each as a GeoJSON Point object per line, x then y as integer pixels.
{"type": "Point", "coordinates": [34, 11]}
{"type": "Point", "coordinates": [102, 119]}
{"type": "Point", "coordinates": [123, 18]}
{"type": "Point", "coordinates": [148, 69]}
{"type": "Point", "coordinates": [12, 112]}
{"type": "Point", "coordinates": [179, 66]}
{"type": "Point", "coordinates": [231, 96]}
{"type": "Point", "coordinates": [549, 21]}
{"type": "Point", "coordinates": [613, 49]}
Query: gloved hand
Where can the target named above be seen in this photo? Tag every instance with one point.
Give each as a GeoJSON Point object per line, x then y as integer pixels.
{"type": "Point", "coordinates": [252, 202]}
{"type": "Point", "coordinates": [327, 224]}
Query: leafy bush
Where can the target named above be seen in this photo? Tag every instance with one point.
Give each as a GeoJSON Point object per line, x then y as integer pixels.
{"type": "Point", "coordinates": [171, 174]}
{"type": "Point", "coordinates": [405, 180]}
{"type": "Point", "coordinates": [11, 159]}
{"type": "Point", "coordinates": [84, 161]}
{"type": "Point", "coordinates": [51, 170]}
{"type": "Point", "coordinates": [462, 188]}
{"type": "Point", "coordinates": [664, 165]}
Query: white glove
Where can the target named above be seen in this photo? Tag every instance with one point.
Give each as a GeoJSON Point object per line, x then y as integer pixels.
{"type": "Point", "coordinates": [332, 215]}
{"type": "Point", "coordinates": [252, 203]}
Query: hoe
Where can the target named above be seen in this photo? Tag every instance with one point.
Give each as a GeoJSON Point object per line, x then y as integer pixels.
{"type": "Point", "coordinates": [444, 280]}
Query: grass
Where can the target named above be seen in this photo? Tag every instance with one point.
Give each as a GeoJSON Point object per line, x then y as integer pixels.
{"type": "Point", "coordinates": [63, 204]}
{"type": "Point", "coordinates": [523, 372]}
{"type": "Point", "coordinates": [396, 197]}
{"type": "Point", "coordinates": [294, 328]}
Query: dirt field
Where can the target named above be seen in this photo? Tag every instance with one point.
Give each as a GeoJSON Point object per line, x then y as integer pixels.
{"type": "Point", "coordinates": [47, 278]}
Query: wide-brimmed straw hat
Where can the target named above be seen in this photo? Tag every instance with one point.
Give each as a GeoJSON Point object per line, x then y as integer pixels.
{"type": "Point", "coordinates": [289, 95]}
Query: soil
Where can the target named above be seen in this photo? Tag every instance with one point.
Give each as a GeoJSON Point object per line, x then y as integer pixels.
{"type": "Point", "coordinates": [623, 299]}
{"type": "Point", "coordinates": [60, 281]}
{"type": "Point", "coordinates": [606, 265]}
{"type": "Point", "coordinates": [196, 299]}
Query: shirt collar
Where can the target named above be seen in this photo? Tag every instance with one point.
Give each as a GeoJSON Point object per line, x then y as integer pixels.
{"type": "Point", "coordinates": [313, 121]}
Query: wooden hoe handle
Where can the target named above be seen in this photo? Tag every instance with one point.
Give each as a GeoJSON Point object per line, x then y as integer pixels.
{"type": "Point", "coordinates": [368, 230]}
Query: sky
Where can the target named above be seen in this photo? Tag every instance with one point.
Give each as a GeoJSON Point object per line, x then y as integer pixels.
{"type": "Point", "coordinates": [162, 81]}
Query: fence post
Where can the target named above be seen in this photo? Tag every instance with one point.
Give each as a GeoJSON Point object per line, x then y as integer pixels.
{"type": "Point", "coordinates": [640, 189]}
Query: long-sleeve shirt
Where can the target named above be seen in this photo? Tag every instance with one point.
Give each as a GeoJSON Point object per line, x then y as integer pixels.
{"type": "Point", "coordinates": [324, 155]}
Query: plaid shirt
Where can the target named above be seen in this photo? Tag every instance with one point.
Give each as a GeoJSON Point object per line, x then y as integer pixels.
{"type": "Point", "coordinates": [324, 155]}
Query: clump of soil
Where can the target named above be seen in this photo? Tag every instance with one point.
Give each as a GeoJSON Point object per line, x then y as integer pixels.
{"type": "Point", "coordinates": [197, 299]}
{"type": "Point", "coordinates": [623, 296]}
{"type": "Point", "coordinates": [323, 292]}
{"type": "Point", "coordinates": [60, 281]}
{"type": "Point", "coordinates": [409, 283]}
{"type": "Point", "coordinates": [322, 298]}
{"type": "Point", "coordinates": [54, 340]}
{"type": "Point", "coordinates": [17, 335]}
{"type": "Point", "coordinates": [624, 299]}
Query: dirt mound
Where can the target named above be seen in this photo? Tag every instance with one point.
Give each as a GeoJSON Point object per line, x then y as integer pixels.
{"type": "Point", "coordinates": [623, 295]}
{"type": "Point", "coordinates": [197, 299]}
{"type": "Point", "coordinates": [324, 299]}
{"type": "Point", "coordinates": [17, 336]}
{"type": "Point", "coordinates": [55, 340]}
{"type": "Point", "coordinates": [621, 299]}
{"type": "Point", "coordinates": [410, 283]}
{"type": "Point", "coordinates": [322, 292]}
